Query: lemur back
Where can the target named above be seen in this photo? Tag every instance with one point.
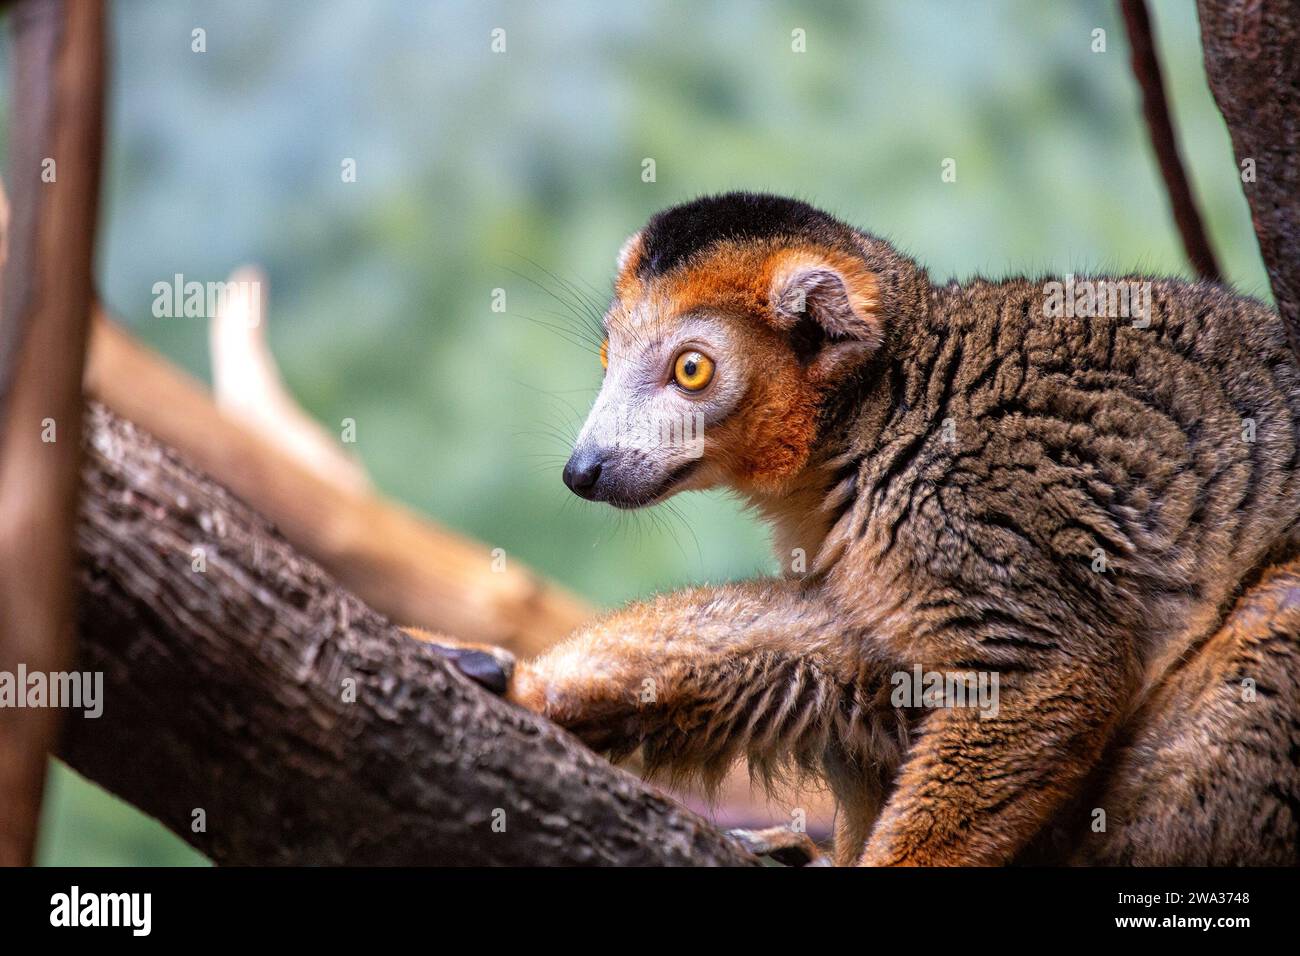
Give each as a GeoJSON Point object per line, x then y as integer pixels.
{"type": "Point", "coordinates": [1080, 493]}
{"type": "Point", "coordinates": [1141, 469]}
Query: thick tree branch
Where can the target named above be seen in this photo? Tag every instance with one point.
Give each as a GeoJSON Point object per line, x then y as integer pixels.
{"type": "Point", "coordinates": [244, 689]}
{"type": "Point", "coordinates": [1252, 59]}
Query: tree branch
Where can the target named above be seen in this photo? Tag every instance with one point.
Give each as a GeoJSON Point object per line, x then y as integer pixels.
{"type": "Point", "coordinates": [1252, 59]}
{"type": "Point", "coordinates": [44, 303]}
{"type": "Point", "coordinates": [247, 387]}
{"type": "Point", "coordinates": [258, 697]}
{"type": "Point", "coordinates": [1155, 107]}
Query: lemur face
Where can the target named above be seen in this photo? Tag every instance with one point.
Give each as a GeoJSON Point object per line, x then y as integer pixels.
{"type": "Point", "coordinates": [733, 318]}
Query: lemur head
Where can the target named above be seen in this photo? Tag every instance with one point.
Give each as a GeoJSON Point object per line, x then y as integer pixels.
{"type": "Point", "coordinates": [736, 319]}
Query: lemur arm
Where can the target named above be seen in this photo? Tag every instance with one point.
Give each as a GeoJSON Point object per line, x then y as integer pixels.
{"type": "Point", "coordinates": [701, 678]}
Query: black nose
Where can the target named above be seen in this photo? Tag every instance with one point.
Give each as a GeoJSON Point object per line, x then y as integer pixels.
{"type": "Point", "coordinates": [583, 471]}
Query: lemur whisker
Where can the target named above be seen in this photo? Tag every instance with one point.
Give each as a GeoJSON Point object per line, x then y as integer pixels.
{"type": "Point", "coordinates": [680, 519]}
{"type": "Point", "coordinates": [557, 395]}
{"type": "Point", "coordinates": [575, 328]}
{"type": "Point", "coordinates": [592, 306]}
{"type": "Point", "coordinates": [554, 436]}
{"type": "Point", "coordinates": [586, 309]}
{"type": "Point", "coordinates": [565, 334]}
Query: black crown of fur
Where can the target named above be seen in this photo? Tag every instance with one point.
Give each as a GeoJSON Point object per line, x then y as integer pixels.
{"type": "Point", "coordinates": [673, 236]}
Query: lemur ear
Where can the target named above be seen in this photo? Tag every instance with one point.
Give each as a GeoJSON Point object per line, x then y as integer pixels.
{"type": "Point", "coordinates": [830, 308]}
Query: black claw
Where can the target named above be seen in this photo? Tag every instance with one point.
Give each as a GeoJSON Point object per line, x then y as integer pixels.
{"type": "Point", "coordinates": [479, 666]}
{"type": "Point", "coordinates": [483, 668]}
{"type": "Point", "coordinates": [782, 845]}
{"type": "Point", "coordinates": [792, 855]}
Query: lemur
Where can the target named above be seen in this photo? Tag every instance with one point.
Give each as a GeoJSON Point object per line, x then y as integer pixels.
{"type": "Point", "coordinates": [1101, 512]}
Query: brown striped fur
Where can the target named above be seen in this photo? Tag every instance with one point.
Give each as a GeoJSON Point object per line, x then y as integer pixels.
{"type": "Point", "coordinates": [952, 461]}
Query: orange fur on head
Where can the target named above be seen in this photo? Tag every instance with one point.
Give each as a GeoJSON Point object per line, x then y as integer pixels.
{"type": "Point", "coordinates": [768, 442]}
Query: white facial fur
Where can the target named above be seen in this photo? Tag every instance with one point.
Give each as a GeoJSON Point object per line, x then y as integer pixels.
{"type": "Point", "coordinates": [653, 435]}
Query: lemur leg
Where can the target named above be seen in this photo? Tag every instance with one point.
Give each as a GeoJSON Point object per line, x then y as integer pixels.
{"type": "Point", "coordinates": [975, 789]}
{"type": "Point", "coordinates": [702, 678]}
{"type": "Point", "coordinates": [1208, 771]}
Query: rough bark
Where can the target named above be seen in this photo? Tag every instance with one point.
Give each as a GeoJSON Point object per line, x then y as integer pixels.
{"type": "Point", "coordinates": [44, 303]}
{"type": "Point", "coordinates": [226, 692]}
{"type": "Point", "coordinates": [1252, 60]}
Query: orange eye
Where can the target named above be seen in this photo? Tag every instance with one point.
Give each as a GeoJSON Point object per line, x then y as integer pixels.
{"type": "Point", "coordinates": [693, 370]}
{"type": "Point", "coordinates": [604, 354]}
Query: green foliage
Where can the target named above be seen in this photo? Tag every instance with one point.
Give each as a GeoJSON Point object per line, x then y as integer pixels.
{"type": "Point", "coordinates": [83, 825]}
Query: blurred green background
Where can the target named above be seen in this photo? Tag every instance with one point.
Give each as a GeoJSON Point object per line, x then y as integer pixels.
{"type": "Point", "coordinates": [479, 170]}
